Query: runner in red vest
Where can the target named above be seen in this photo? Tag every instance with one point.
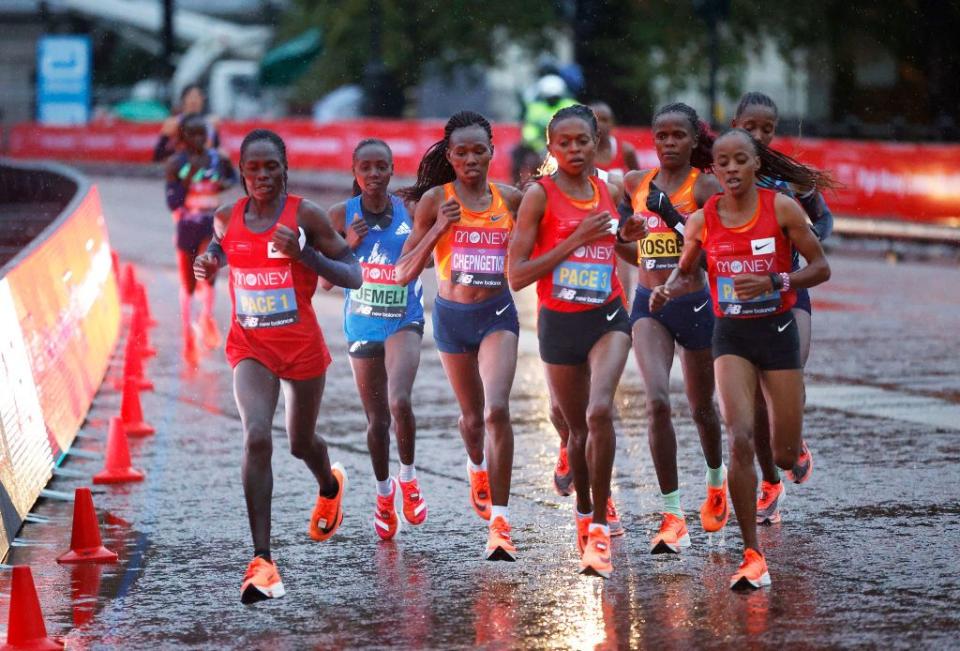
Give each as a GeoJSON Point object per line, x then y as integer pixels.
{"type": "Point", "coordinates": [276, 245]}
{"type": "Point", "coordinates": [564, 241]}
{"type": "Point", "coordinates": [749, 235]}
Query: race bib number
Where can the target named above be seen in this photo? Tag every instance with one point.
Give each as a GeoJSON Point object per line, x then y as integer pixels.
{"type": "Point", "coordinates": [726, 268]}
{"type": "Point", "coordinates": [380, 296]}
{"type": "Point", "coordinates": [586, 277]}
{"type": "Point", "coordinates": [477, 256]}
{"type": "Point", "coordinates": [264, 298]}
{"type": "Point", "coordinates": [660, 249]}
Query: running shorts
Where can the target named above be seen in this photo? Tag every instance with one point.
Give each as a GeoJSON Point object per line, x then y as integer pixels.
{"type": "Point", "coordinates": [369, 349]}
{"type": "Point", "coordinates": [193, 231]}
{"type": "Point", "coordinates": [803, 301]}
{"type": "Point", "coordinates": [460, 327]}
{"type": "Point", "coordinates": [771, 343]}
{"type": "Point", "coordinates": [688, 318]}
{"type": "Point", "coordinates": [568, 337]}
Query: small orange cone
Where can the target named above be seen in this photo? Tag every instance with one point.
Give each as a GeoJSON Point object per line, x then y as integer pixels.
{"type": "Point", "coordinates": [128, 285]}
{"type": "Point", "coordinates": [131, 412]}
{"type": "Point", "coordinates": [140, 333]}
{"type": "Point", "coordinates": [144, 305]}
{"type": "Point", "coordinates": [117, 469]}
{"type": "Point", "coordinates": [85, 543]}
{"type": "Point", "coordinates": [133, 368]}
{"type": "Point", "coordinates": [25, 627]}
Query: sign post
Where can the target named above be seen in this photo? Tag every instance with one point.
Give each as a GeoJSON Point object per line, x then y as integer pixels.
{"type": "Point", "coordinates": [63, 80]}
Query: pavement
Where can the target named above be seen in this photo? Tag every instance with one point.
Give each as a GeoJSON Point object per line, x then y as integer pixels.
{"type": "Point", "coordinates": [866, 555]}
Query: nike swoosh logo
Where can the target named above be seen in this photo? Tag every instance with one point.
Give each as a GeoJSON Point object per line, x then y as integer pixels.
{"type": "Point", "coordinates": [494, 218]}
{"type": "Point", "coordinates": [761, 247]}
{"type": "Point", "coordinates": [697, 309]}
{"type": "Point", "coordinates": [610, 316]}
{"type": "Point", "coordinates": [784, 326]}
{"type": "Point", "coordinates": [503, 309]}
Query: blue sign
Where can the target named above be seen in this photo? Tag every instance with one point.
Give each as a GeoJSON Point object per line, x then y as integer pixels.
{"type": "Point", "coordinates": [64, 69]}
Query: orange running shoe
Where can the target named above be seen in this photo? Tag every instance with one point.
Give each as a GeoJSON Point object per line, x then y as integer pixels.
{"type": "Point", "coordinates": [803, 468]}
{"type": "Point", "coordinates": [385, 520]}
{"type": "Point", "coordinates": [563, 475]}
{"type": "Point", "coordinates": [499, 545]}
{"type": "Point", "coordinates": [596, 555]}
{"type": "Point", "coordinates": [191, 354]}
{"type": "Point", "coordinates": [262, 581]}
{"type": "Point", "coordinates": [714, 512]}
{"type": "Point", "coordinates": [479, 491]}
{"type": "Point", "coordinates": [583, 530]}
{"type": "Point", "coordinates": [328, 512]}
{"type": "Point", "coordinates": [210, 334]}
{"type": "Point", "coordinates": [672, 537]}
{"type": "Point", "coordinates": [753, 572]}
{"type": "Point", "coordinates": [768, 504]}
{"type": "Point", "coordinates": [613, 519]}
{"type": "Point", "coordinates": [414, 506]}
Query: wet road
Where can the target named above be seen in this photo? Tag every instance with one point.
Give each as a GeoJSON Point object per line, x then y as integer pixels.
{"type": "Point", "coordinates": [866, 555]}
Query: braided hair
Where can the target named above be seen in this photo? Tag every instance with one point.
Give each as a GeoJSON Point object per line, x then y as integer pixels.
{"type": "Point", "coordinates": [258, 135]}
{"type": "Point", "coordinates": [775, 166]}
{"type": "Point", "coordinates": [434, 167]}
{"type": "Point", "coordinates": [756, 98]}
{"type": "Point", "coordinates": [364, 143]}
{"type": "Point", "coordinates": [701, 156]}
{"type": "Point", "coordinates": [579, 111]}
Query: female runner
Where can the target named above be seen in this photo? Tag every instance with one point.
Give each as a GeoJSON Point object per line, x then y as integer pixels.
{"type": "Point", "coordinates": [663, 197]}
{"type": "Point", "coordinates": [195, 178]}
{"type": "Point", "coordinates": [748, 234]}
{"type": "Point", "coordinates": [564, 242]}
{"type": "Point", "coordinates": [274, 340]}
{"type": "Point", "coordinates": [465, 221]}
{"type": "Point", "coordinates": [757, 113]}
{"type": "Point", "coordinates": [383, 322]}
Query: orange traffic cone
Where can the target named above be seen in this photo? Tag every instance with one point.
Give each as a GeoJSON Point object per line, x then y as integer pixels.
{"type": "Point", "coordinates": [140, 333]}
{"type": "Point", "coordinates": [133, 368]}
{"type": "Point", "coordinates": [128, 285]}
{"type": "Point", "coordinates": [25, 627]}
{"type": "Point", "coordinates": [131, 412]}
{"type": "Point", "coordinates": [85, 543]}
{"type": "Point", "coordinates": [117, 469]}
{"type": "Point", "coordinates": [144, 305]}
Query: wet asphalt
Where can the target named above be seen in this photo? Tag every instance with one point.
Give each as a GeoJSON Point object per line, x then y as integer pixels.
{"type": "Point", "coordinates": [867, 554]}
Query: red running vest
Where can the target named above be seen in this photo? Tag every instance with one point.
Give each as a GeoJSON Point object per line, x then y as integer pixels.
{"type": "Point", "coordinates": [758, 247]}
{"type": "Point", "coordinates": [588, 278]}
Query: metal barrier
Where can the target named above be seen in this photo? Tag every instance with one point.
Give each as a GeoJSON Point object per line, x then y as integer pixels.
{"type": "Point", "coordinates": [59, 323]}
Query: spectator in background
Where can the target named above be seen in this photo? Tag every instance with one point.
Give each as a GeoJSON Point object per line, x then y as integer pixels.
{"type": "Point", "coordinates": [551, 95]}
{"type": "Point", "coordinates": [192, 100]}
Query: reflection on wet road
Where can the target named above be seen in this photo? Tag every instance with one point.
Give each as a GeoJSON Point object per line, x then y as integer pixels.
{"type": "Point", "coordinates": [866, 555]}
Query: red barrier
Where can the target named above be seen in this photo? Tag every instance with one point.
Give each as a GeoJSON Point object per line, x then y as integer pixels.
{"type": "Point", "coordinates": [916, 182]}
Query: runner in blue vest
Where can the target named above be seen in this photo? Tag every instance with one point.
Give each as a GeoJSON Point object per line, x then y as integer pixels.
{"type": "Point", "coordinates": [383, 322]}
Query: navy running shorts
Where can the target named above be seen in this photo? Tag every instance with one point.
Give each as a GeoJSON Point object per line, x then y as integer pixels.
{"type": "Point", "coordinates": [460, 327]}
{"type": "Point", "coordinates": [688, 318]}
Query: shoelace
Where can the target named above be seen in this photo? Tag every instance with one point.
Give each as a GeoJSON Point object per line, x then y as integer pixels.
{"type": "Point", "coordinates": [483, 486]}
{"type": "Point", "coordinates": [253, 568]}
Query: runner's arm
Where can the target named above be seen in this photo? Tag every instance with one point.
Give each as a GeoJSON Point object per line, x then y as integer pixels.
{"type": "Point", "coordinates": [326, 252]}
{"type": "Point", "coordinates": [418, 248]}
{"type": "Point", "coordinates": [176, 190]}
{"type": "Point", "coordinates": [210, 261]}
{"type": "Point", "coordinates": [337, 216]}
{"type": "Point", "coordinates": [792, 219]}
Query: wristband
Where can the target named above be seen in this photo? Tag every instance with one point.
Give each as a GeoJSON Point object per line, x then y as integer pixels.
{"type": "Point", "coordinates": [620, 239]}
{"type": "Point", "coordinates": [785, 277]}
{"type": "Point", "coordinates": [776, 282]}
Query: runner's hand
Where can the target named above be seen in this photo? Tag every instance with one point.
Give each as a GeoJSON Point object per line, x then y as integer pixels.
{"type": "Point", "coordinates": [205, 266]}
{"type": "Point", "coordinates": [659, 297]}
{"type": "Point", "coordinates": [286, 242]}
{"type": "Point", "coordinates": [748, 286]}
{"type": "Point", "coordinates": [634, 228]}
{"type": "Point", "coordinates": [593, 227]}
{"type": "Point", "coordinates": [448, 215]}
{"type": "Point", "coordinates": [357, 231]}
{"type": "Point", "coordinates": [170, 126]}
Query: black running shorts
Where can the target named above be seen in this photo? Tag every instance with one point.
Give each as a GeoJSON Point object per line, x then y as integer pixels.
{"type": "Point", "coordinates": [771, 343]}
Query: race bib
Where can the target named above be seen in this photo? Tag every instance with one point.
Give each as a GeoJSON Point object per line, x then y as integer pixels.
{"type": "Point", "coordinates": [660, 249]}
{"type": "Point", "coordinates": [731, 304]}
{"type": "Point", "coordinates": [380, 295]}
{"type": "Point", "coordinates": [477, 256]}
{"type": "Point", "coordinates": [586, 276]}
{"type": "Point", "coordinates": [264, 298]}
